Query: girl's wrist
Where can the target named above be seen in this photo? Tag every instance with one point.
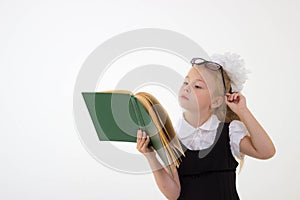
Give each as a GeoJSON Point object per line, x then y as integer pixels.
{"type": "Point", "coordinates": [242, 112]}
{"type": "Point", "coordinates": [150, 155]}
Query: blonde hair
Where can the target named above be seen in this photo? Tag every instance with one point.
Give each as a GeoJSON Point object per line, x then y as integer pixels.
{"type": "Point", "coordinates": [223, 112]}
{"type": "Point", "coordinates": [224, 109]}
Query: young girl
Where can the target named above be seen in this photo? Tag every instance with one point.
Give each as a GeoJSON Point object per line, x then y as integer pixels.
{"type": "Point", "coordinates": [216, 130]}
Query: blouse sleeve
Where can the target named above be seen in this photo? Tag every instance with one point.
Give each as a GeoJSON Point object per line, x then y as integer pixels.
{"type": "Point", "coordinates": [237, 131]}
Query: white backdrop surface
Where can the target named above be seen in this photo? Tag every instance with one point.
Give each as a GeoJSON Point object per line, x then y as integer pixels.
{"type": "Point", "coordinates": [44, 43]}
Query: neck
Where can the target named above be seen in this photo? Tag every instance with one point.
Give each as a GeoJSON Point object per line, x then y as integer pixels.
{"type": "Point", "coordinates": [195, 119]}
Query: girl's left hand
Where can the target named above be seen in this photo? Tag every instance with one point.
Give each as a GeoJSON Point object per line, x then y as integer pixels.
{"type": "Point", "coordinates": [235, 101]}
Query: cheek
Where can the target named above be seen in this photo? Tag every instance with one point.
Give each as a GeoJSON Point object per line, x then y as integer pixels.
{"type": "Point", "coordinates": [203, 97]}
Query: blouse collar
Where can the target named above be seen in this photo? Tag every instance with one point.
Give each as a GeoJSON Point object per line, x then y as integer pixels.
{"type": "Point", "coordinates": [184, 128]}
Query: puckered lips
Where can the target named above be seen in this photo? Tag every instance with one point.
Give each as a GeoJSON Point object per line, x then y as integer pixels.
{"type": "Point", "coordinates": [184, 97]}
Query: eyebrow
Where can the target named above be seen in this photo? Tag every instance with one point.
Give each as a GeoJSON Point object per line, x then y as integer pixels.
{"type": "Point", "coordinates": [196, 79]}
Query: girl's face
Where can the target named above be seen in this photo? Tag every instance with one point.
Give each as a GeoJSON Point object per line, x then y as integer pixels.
{"type": "Point", "coordinates": [195, 92]}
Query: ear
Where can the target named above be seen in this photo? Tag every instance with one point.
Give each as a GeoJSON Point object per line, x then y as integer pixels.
{"type": "Point", "coordinates": [217, 101]}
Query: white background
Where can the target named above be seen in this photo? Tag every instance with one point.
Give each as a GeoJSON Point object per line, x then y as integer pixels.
{"type": "Point", "coordinates": [43, 45]}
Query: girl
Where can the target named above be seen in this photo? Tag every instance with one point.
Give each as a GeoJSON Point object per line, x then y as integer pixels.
{"type": "Point", "coordinates": [216, 130]}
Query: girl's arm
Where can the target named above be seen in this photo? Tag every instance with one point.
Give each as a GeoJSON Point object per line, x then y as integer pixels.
{"type": "Point", "coordinates": [258, 144]}
{"type": "Point", "coordinates": [168, 185]}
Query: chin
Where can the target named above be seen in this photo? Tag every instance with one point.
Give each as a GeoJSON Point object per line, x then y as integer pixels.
{"type": "Point", "coordinates": [184, 106]}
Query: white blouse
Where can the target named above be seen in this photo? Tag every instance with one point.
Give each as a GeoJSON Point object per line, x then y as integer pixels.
{"type": "Point", "coordinates": [204, 136]}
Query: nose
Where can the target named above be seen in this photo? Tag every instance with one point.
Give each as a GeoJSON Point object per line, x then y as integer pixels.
{"type": "Point", "coordinates": [186, 88]}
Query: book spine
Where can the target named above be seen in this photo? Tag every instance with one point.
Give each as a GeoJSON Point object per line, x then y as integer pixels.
{"type": "Point", "coordinates": [139, 116]}
{"type": "Point", "coordinates": [137, 112]}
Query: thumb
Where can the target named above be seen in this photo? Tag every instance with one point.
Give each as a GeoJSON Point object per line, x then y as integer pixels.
{"type": "Point", "coordinates": [226, 100]}
{"type": "Point", "coordinates": [229, 103]}
{"type": "Point", "coordinates": [151, 148]}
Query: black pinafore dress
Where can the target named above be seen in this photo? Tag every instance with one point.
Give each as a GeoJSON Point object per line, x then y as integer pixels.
{"type": "Point", "coordinates": [209, 174]}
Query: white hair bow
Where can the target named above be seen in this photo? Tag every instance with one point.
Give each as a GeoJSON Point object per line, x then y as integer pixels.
{"type": "Point", "coordinates": [234, 67]}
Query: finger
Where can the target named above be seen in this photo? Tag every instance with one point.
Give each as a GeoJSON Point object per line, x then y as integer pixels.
{"type": "Point", "coordinates": [230, 101]}
{"type": "Point", "coordinates": [139, 135]}
{"type": "Point", "coordinates": [237, 98]}
{"type": "Point", "coordinates": [229, 97]}
{"type": "Point", "coordinates": [144, 135]}
{"type": "Point", "coordinates": [226, 100]}
{"type": "Point", "coordinates": [145, 145]}
{"type": "Point", "coordinates": [142, 139]}
{"type": "Point", "coordinates": [140, 144]}
{"type": "Point", "coordinates": [236, 95]}
{"type": "Point", "coordinates": [139, 139]}
{"type": "Point", "coordinates": [233, 97]}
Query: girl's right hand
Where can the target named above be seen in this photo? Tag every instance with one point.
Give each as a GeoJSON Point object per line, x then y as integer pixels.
{"type": "Point", "coordinates": [142, 142]}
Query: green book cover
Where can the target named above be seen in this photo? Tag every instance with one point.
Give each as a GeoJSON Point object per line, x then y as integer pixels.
{"type": "Point", "coordinates": [118, 116]}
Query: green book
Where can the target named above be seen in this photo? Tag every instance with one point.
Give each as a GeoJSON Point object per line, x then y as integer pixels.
{"type": "Point", "coordinates": [118, 114]}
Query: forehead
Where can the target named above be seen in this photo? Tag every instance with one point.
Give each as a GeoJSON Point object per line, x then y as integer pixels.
{"type": "Point", "coordinates": [198, 73]}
